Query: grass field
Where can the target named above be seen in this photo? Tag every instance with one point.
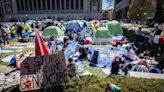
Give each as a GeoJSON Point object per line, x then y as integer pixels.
{"type": "Point", "coordinates": [94, 84]}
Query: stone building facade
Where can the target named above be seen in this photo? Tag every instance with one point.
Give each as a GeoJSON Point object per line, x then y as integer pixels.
{"type": "Point", "coordinates": [121, 8]}
{"type": "Point", "coordinates": [64, 9]}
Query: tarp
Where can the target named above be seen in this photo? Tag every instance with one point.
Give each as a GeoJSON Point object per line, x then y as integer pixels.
{"type": "Point", "coordinates": [30, 21]}
{"type": "Point", "coordinates": [114, 27]}
{"type": "Point", "coordinates": [74, 24]}
{"type": "Point", "coordinates": [103, 32]}
{"type": "Point", "coordinates": [47, 20]}
{"type": "Point", "coordinates": [87, 23]}
{"type": "Point", "coordinates": [52, 31]}
{"type": "Point", "coordinates": [90, 27]}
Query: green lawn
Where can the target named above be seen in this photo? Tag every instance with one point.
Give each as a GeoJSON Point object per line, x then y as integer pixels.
{"type": "Point", "coordinates": [94, 84]}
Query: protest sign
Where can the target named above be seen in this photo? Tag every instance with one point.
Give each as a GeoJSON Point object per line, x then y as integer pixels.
{"type": "Point", "coordinates": [43, 71]}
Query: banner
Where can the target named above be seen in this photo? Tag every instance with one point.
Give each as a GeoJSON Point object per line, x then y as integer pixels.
{"type": "Point", "coordinates": [43, 72]}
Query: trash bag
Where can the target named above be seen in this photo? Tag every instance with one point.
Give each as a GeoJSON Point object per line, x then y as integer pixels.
{"type": "Point", "coordinates": [156, 70]}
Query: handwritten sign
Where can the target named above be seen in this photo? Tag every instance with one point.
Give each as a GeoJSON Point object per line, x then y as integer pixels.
{"type": "Point", "coordinates": [43, 72]}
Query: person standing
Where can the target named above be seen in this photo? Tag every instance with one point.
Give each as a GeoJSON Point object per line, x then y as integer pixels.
{"type": "Point", "coordinates": [26, 27]}
{"type": "Point", "coordinates": [19, 31]}
{"type": "Point", "coordinates": [4, 35]}
{"type": "Point", "coordinates": [139, 39]}
{"type": "Point", "coordinates": [156, 42]}
{"type": "Point", "coordinates": [12, 31]}
{"type": "Point", "coordinates": [52, 43]}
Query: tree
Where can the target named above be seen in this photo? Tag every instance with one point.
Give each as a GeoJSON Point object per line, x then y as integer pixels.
{"type": "Point", "coordinates": [142, 9]}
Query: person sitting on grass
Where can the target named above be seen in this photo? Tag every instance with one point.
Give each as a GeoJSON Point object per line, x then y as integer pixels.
{"type": "Point", "coordinates": [83, 53]}
{"type": "Point", "coordinates": [71, 68]}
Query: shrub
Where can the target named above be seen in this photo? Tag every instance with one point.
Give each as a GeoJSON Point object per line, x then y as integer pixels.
{"type": "Point", "coordinates": [94, 84]}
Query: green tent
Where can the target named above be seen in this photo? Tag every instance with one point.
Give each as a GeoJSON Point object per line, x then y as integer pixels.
{"type": "Point", "coordinates": [52, 31]}
{"type": "Point", "coordinates": [114, 27]}
{"type": "Point", "coordinates": [103, 32]}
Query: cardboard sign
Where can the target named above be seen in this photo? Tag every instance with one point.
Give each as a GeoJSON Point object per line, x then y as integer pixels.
{"type": "Point", "coordinates": [43, 72]}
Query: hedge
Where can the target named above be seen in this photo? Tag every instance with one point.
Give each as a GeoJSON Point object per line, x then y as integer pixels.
{"type": "Point", "coordinates": [130, 34]}
{"type": "Point", "coordinates": [94, 84]}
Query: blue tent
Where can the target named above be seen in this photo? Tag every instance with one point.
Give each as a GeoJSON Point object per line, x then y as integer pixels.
{"type": "Point", "coordinates": [74, 25]}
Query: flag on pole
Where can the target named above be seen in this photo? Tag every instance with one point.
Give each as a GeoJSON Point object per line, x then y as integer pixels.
{"type": "Point", "coordinates": [40, 46]}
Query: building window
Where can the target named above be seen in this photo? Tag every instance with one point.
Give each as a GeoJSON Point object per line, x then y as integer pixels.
{"type": "Point", "coordinates": [62, 1]}
{"type": "Point", "coordinates": [44, 6]}
{"type": "Point", "coordinates": [53, 4]}
{"type": "Point", "coordinates": [8, 8]}
{"type": "Point", "coordinates": [34, 2]}
{"type": "Point", "coordinates": [26, 5]}
{"type": "Point", "coordinates": [49, 4]}
{"type": "Point", "coordinates": [58, 4]}
{"type": "Point", "coordinates": [67, 4]}
{"type": "Point", "coordinates": [82, 4]}
{"type": "Point", "coordinates": [30, 2]}
{"type": "Point", "coordinates": [72, 4]}
{"type": "Point", "coordinates": [39, 5]}
{"type": "Point", "coordinates": [21, 1]}
{"type": "Point", "coordinates": [7, 1]}
{"type": "Point", "coordinates": [77, 4]}
{"type": "Point", "coordinates": [18, 5]}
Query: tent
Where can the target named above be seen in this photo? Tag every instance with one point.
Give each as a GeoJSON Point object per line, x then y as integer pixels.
{"type": "Point", "coordinates": [52, 31]}
{"type": "Point", "coordinates": [114, 27]}
{"type": "Point", "coordinates": [30, 21]}
{"type": "Point", "coordinates": [47, 20]}
{"type": "Point", "coordinates": [103, 32]}
{"type": "Point", "coordinates": [74, 24]}
{"type": "Point", "coordinates": [95, 23]}
{"type": "Point", "coordinates": [103, 35]}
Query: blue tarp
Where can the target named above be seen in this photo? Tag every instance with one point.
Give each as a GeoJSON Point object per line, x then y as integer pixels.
{"type": "Point", "coordinates": [26, 34]}
{"type": "Point", "coordinates": [71, 50]}
{"type": "Point", "coordinates": [106, 60]}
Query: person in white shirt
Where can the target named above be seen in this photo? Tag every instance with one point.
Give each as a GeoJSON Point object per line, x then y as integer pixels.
{"type": "Point", "coordinates": [52, 43]}
{"type": "Point", "coordinates": [130, 54]}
